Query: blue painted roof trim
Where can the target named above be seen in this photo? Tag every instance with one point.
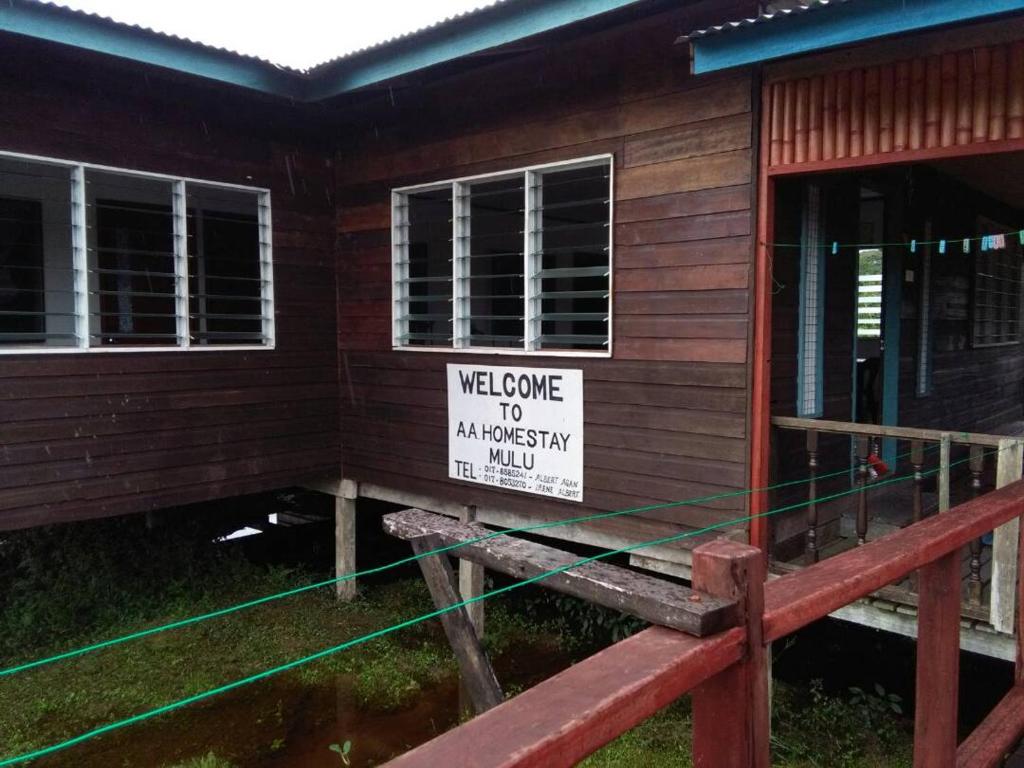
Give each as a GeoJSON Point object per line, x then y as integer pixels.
{"type": "Point", "coordinates": [100, 35]}
{"type": "Point", "coordinates": [463, 37]}
{"type": "Point", "coordinates": [830, 27]}
{"type": "Point", "coordinates": [468, 36]}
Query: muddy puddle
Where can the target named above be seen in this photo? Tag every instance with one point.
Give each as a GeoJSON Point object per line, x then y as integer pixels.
{"type": "Point", "coordinates": [283, 723]}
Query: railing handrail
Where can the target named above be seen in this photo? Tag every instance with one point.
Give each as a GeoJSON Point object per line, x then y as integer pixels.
{"type": "Point", "coordinates": [565, 718]}
{"type": "Point", "coordinates": [571, 715]}
{"type": "Point", "coordinates": [799, 598]}
{"type": "Point", "coordinates": [883, 430]}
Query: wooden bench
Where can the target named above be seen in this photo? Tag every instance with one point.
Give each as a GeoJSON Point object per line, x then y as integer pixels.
{"type": "Point", "coordinates": [654, 600]}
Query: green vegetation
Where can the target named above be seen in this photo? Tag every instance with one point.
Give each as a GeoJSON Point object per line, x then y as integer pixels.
{"type": "Point", "coordinates": [65, 587]}
{"type": "Point", "coordinates": [810, 730]}
{"type": "Point", "coordinates": [208, 760]}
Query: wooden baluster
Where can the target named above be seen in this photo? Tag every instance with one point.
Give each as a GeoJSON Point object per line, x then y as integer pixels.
{"type": "Point", "coordinates": [862, 446]}
{"type": "Point", "coordinates": [1005, 543]}
{"type": "Point", "coordinates": [977, 465]}
{"type": "Point", "coordinates": [917, 461]}
{"type": "Point", "coordinates": [945, 446]}
{"type": "Point", "coordinates": [812, 496]}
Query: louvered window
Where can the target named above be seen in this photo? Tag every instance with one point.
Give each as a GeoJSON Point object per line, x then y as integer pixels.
{"type": "Point", "coordinates": [511, 262]}
{"type": "Point", "coordinates": [100, 259]}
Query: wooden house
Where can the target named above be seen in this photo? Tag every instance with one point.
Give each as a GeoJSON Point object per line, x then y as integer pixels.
{"type": "Point", "coordinates": [543, 261]}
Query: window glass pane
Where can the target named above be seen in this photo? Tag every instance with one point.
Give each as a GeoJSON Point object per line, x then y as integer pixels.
{"type": "Point", "coordinates": [869, 293]}
{"type": "Point", "coordinates": [494, 246]}
{"type": "Point", "coordinates": [37, 301]}
{"type": "Point", "coordinates": [131, 261]}
{"type": "Point", "coordinates": [573, 257]}
{"type": "Point", "coordinates": [225, 282]}
{"type": "Point", "coordinates": [423, 267]}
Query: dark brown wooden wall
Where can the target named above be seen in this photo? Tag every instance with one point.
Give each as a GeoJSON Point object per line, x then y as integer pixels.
{"type": "Point", "coordinates": [789, 454]}
{"type": "Point", "coordinates": [975, 389]}
{"type": "Point", "coordinates": [88, 435]}
{"type": "Point", "coordinates": [666, 417]}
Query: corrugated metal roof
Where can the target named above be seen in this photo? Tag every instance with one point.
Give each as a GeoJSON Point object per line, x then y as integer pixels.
{"type": "Point", "coordinates": [138, 28]}
{"type": "Point", "coordinates": [763, 18]}
{"type": "Point", "coordinates": [489, 25]}
{"type": "Point", "coordinates": [405, 36]}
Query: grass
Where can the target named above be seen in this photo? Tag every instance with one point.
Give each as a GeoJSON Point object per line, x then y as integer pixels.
{"type": "Point", "coordinates": [49, 610]}
{"type": "Point", "coordinates": [63, 588]}
{"type": "Point", "coordinates": [209, 760]}
{"type": "Point", "coordinates": [809, 730]}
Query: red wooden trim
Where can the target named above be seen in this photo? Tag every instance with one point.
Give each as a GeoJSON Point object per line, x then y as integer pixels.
{"type": "Point", "coordinates": [998, 733]}
{"type": "Point", "coordinates": [760, 404]}
{"type": "Point", "coordinates": [1015, 107]}
{"type": "Point", "coordinates": [797, 599]}
{"type": "Point", "coordinates": [900, 158]}
{"type": "Point", "coordinates": [932, 114]}
{"type": "Point", "coordinates": [938, 663]}
{"type": "Point", "coordinates": [574, 713]}
{"type": "Point", "coordinates": [730, 710]}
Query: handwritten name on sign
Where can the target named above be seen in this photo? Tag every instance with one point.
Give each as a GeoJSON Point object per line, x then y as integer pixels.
{"type": "Point", "coordinates": [517, 428]}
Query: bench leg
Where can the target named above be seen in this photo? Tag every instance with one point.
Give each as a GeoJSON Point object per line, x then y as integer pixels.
{"type": "Point", "coordinates": [477, 674]}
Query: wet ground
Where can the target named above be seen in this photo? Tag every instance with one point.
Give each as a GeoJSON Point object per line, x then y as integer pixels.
{"type": "Point", "coordinates": [283, 723]}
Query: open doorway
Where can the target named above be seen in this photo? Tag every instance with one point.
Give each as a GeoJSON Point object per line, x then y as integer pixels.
{"type": "Point", "coordinates": [897, 301]}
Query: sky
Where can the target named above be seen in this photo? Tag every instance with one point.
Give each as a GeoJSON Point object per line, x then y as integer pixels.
{"type": "Point", "coordinates": [296, 33]}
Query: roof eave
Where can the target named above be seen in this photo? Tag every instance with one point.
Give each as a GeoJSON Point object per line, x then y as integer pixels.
{"type": "Point", "coordinates": [472, 35]}
{"type": "Point", "coordinates": [465, 36]}
{"type": "Point", "coordinates": [80, 30]}
{"type": "Point", "coordinates": [835, 26]}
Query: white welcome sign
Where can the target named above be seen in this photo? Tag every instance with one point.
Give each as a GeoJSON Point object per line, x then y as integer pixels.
{"type": "Point", "coordinates": [517, 428]}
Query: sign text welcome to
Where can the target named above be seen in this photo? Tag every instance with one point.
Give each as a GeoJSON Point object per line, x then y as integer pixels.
{"type": "Point", "coordinates": [517, 428]}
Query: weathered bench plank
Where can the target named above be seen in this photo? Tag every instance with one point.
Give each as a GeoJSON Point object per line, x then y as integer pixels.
{"type": "Point", "coordinates": [648, 598]}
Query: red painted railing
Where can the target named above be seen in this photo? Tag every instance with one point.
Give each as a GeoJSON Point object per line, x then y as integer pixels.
{"type": "Point", "coordinates": [571, 715]}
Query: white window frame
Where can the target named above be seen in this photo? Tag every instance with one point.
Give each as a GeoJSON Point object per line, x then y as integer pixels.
{"type": "Point", "coordinates": [531, 282]}
{"type": "Point", "coordinates": [79, 260]}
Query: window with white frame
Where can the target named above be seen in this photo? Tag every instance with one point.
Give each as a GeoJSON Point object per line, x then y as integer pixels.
{"type": "Point", "coordinates": [517, 261]}
{"type": "Point", "coordinates": [95, 258]}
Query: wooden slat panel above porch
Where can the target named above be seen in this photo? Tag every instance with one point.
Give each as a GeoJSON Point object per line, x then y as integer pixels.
{"type": "Point", "coordinates": [913, 109]}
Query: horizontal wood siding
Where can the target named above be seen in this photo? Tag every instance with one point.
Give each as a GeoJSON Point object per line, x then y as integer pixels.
{"type": "Point", "coordinates": [90, 435]}
{"type": "Point", "coordinates": [666, 417]}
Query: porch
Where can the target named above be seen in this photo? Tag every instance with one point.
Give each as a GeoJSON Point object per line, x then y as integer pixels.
{"type": "Point", "coordinates": [897, 373]}
{"type": "Point", "coordinates": [831, 511]}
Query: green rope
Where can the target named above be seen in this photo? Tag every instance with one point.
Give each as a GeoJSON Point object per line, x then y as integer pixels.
{"type": "Point", "coordinates": [142, 716]}
{"type": "Point", "coordinates": [404, 561]}
{"type": "Point", "coordinates": [949, 241]}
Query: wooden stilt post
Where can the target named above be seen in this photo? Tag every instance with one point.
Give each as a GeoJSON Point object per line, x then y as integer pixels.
{"type": "Point", "coordinates": [471, 580]}
{"type": "Point", "coordinates": [345, 538]}
{"type": "Point", "coordinates": [731, 726]}
{"type": "Point", "coordinates": [471, 584]}
{"type": "Point", "coordinates": [476, 673]}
